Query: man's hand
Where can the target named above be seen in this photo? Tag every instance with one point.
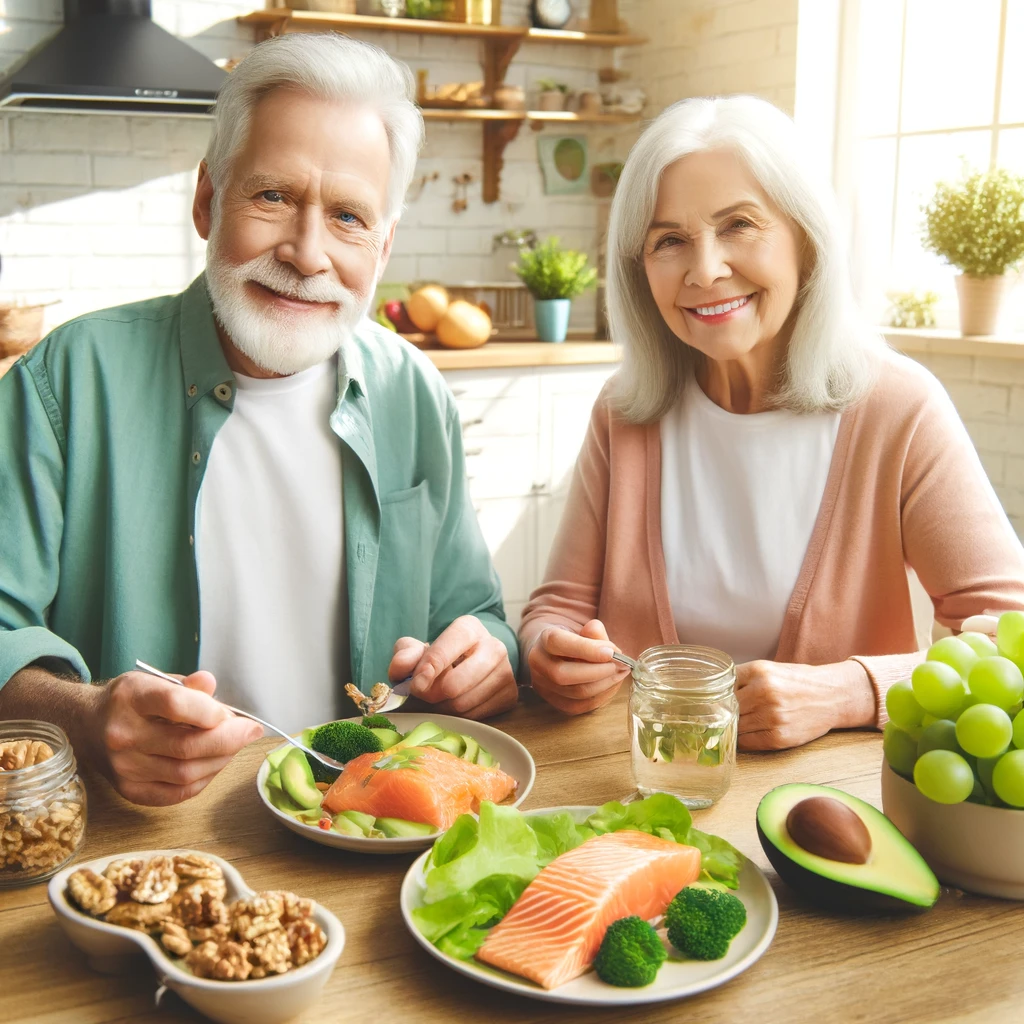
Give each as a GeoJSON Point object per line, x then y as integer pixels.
{"type": "Point", "coordinates": [783, 705]}
{"type": "Point", "coordinates": [465, 671]}
{"type": "Point", "coordinates": [161, 744]}
{"type": "Point", "coordinates": [574, 672]}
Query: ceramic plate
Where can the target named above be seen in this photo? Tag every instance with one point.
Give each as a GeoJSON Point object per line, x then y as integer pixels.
{"type": "Point", "coordinates": [112, 949]}
{"type": "Point", "coordinates": [676, 979]}
{"type": "Point", "coordinates": [508, 753]}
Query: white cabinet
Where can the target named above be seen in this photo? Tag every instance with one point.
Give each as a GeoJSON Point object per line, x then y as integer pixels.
{"type": "Point", "coordinates": [522, 430]}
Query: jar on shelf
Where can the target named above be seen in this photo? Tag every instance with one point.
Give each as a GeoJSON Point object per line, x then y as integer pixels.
{"type": "Point", "coordinates": [683, 722]}
{"type": "Point", "coordinates": [42, 802]}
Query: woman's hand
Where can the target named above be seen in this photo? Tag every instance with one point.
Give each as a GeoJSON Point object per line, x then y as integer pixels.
{"type": "Point", "coordinates": [574, 672]}
{"type": "Point", "coordinates": [784, 705]}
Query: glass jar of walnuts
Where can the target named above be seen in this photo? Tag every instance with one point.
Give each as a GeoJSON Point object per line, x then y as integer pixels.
{"type": "Point", "coordinates": [42, 802]}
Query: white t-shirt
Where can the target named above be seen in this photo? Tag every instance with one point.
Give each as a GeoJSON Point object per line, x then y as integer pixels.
{"type": "Point", "coordinates": [739, 498]}
{"type": "Point", "coordinates": [273, 602]}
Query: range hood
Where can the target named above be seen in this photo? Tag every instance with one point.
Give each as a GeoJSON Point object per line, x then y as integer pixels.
{"type": "Point", "coordinates": [111, 57]}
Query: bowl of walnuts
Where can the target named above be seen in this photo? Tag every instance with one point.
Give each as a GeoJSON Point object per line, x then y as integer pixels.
{"type": "Point", "coordinates": [233, 954]}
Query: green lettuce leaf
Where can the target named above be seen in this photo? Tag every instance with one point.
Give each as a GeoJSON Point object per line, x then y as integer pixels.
{"type": "Point", "coordinates": [718, 858]}
{"type": "Point", "coordinates": [557, 834]}
{"type": "Point", "coordinates": [660, 815]}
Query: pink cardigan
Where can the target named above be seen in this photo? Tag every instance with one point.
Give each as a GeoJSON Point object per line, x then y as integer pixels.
{"type": "Point", "coordinates": [905, 487]}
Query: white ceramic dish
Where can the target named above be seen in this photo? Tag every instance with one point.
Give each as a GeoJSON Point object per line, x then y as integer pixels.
{"type": "Point", "coordinates": [112, 949]}
{"type": "Point", "coordinates": [510, 754]}
{"type": "Point", "coordinates": [971, 846]}
{"type": "Point", "coordinates": [676, 979]}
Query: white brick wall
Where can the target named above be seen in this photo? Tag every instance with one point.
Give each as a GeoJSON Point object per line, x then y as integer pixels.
{"type": "Point", "coordinates": [95, 210]}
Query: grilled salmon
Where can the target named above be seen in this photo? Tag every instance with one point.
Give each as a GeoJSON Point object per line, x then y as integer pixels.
{"type": "Point", "coordinates": [554, 930]}
{"type": "Point", "coordinates": [416, 784]}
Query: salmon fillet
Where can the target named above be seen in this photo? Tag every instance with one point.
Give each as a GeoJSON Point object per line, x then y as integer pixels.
{"type": "Point", "coordinates": [416, 784]}
{"type": "Point", "coordinates": [554, 930]}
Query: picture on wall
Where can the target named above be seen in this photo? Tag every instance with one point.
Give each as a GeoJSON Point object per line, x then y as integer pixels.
{"type": "Point", "coordinates": [564, 164]}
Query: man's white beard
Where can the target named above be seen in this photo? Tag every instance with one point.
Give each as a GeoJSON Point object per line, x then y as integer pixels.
{"type": "Point", "coordinates": [280, 342]}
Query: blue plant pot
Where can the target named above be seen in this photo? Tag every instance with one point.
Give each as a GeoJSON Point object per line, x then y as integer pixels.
{"type": "Point", "coordinates": [552, 318]}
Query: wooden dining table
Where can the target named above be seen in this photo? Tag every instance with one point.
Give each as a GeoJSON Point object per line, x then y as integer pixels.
{"type": "Point", "coordinates": [961, 961]}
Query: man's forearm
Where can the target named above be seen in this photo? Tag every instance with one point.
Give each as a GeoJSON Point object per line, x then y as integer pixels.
{"type": "Point", "coordinates": [33, 692]}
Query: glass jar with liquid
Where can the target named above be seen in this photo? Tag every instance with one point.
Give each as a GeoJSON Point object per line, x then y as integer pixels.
{"type": "Point", "coordinates": [683, 723]}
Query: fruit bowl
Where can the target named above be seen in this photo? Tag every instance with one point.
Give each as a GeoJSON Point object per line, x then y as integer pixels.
{"type": "Point", "coordinates": [971, 846]}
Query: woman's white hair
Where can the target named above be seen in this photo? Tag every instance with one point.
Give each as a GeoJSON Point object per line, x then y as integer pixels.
{"type": "Point", "coordinates": [330, 67]}
{"type": "Point", "coordinates": [828, 363]}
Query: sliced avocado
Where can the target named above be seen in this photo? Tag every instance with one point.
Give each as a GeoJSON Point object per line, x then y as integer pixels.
{"type": "Point", "coordinates": [297, 779]}
{"type": "Point", "coordinates": [387, 737]}
{"type": "Point", "coordinates": [893, 875]}
{"type": "Point", "coordinates": [449, 741]}
{"type": "Point", "coordinates": [472, 749]}
{"type": "Point", "coordinates": [274, 780]}
{"type": "Point", "coordinates": [416, 737]}
{"type": "Point", "coordinates": [396, 828]}
{"type": "Point", "coordinates": [364, 822]}
{"type": "Point", "coordinates": [282, 801]}
{"type": "Point", "coordinates": [310, 816]}
{"type": "Point", "coordinates": [346, 826]}
{"type": "Point", "coordinates": [275, 757]}
{"type": "Point", "coordinates": [484, 758]}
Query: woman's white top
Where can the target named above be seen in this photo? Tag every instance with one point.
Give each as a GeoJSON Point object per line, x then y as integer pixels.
{"type": "Point", "coordinates": [739, 499]}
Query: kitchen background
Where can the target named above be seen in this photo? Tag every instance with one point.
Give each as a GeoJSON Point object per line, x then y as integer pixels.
{"type": "Point", "coordinates": [95, 209]}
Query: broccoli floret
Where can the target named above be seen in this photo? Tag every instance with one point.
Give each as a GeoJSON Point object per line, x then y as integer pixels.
{"type": "Point", "coordinates": [630, 953]}
{"type": "Point", "coordinates": [702, 922]}
{"type": "Point", "coordinates": [344, 740]}
{"type": "Point", "coordinates": [380, 722]}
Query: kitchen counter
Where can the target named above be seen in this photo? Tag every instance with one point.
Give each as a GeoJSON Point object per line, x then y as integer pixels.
{"type": "Point", "coordinates": [960, 959]}
{"type": "Point", "coordinates": [497, 355]}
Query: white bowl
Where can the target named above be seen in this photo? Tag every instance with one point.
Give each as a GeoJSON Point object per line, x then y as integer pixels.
{"type": "Point", "coordinates": [512, 757]}
{"type": "Point", "coordinates": [971, 846]}
{"type": "Point", "coordinates": [112, 949]}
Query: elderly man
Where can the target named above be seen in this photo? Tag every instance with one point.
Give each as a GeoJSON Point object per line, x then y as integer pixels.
{"type": "Point", "coordinates": [248, 477]}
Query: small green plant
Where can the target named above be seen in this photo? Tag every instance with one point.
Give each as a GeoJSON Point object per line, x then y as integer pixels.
{"type": "Point", "coordinates": [550, 85]}
{"type": "Point", "coordinates": [977, 223]}
{"type": "Point", "coordinates": [550, 272]}
{"type": "Point", "coordinates": [912, 309]}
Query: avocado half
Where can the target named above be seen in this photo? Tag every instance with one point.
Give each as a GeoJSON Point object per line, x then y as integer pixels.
{"type": "Point", "coordinates": [894, 876]}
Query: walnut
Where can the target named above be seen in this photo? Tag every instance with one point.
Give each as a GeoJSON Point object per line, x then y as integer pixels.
{"type": "Point", "coordinates": [271, 953]}
{"type": "Point", "coordinates": [92, 892]}
{"type": "Point", "coordinates": [306, 939]}
{"type": "Point", "coordinates": [203, 933]}
{"type": "Point", "coordinates": [142, 917]}
{"type": "Point", "coordinates": [227, 961]}
{"type": "Point", "coordinates": [157, 882]}
{"type": "Point", "coordinates": [17, 754]}
{"type": "Point", "coordinates": [196, 904]}
{"type": "Point", "coordinates": [123, 873]}
{"type": "Point", "coordinates": [175, 939]}
{"type": "Point", "coordinates": [295, 907]}
{"type": "Point", "coordinates": [257, 915]}
{"type": "Point", "coordinates": [191, 866]}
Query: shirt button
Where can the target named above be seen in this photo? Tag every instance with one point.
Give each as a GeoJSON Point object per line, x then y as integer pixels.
{"type": "Point", "coordinates": [196, 457]}
{"type": "Point", "coordinates": [192, 389]}
{"type": "Point", "coordinates": [197, 638]}
{"type": "Point", "coordinates": [191, 540]}
{"type": "Point", "coordinates": [223, 391]}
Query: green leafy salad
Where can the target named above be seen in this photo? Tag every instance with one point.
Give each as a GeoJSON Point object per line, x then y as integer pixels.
{"type": "Point", "coordinates": [479, 868]}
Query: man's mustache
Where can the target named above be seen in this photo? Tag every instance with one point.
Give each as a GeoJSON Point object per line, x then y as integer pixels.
{"type": "Point", "coordinates": [285, 280]}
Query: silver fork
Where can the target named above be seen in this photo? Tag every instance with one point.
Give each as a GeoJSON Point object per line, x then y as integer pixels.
{"type": "Point", "coordinates": [327, 762]}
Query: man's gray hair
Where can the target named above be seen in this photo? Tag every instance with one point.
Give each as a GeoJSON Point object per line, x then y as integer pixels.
{"type": "Point", "coordinates": [330, 67]}
{"type": "Point", "coordinates": [828, 363]}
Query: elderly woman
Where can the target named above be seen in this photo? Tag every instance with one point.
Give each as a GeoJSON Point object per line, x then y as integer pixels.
{"type": "Point", "coordinates": [762, 471]}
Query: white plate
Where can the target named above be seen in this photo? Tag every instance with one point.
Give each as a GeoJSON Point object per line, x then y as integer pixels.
{"type": "Point", "coordinates": [112, 949]}
{"type": "Point", "coordinates": [511, 756]}
{"type": "Point", "coordinates": [675, 980]}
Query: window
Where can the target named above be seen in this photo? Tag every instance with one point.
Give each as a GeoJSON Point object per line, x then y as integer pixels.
{"type": "Point", "coordinates": [928, 84]}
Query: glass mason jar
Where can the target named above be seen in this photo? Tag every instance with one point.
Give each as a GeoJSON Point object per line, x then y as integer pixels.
{"type": "Point", "coordinates": [683, 719]}
{"type": "Point", "coordinates": [42, 806]}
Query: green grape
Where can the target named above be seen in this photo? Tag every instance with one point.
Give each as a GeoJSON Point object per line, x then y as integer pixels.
{"type": "Point", "coordinates": [940, 735]}
{"type": "Point", "coordinates": [955, 653]}
{"type": "Point", "coordinates": [979, 795]}
{"type": "Point", "coordinates": [1008, 778]}
{"type": "Point", "coordinates": [1018, 730]}
{"type": "Point", "coordinates": [982, 645]}
{"type": "Point", "coordinates": [944, 777]}
{"type": "Point", "coordinates": [984, 769]}
{"type": "Point", "coordinates": [1010, 636]}
{"type": "Point", "coordinates": [984, 730]}
{"type": "Point", "coordinates": [929, 720]}
{"type": "Point", "coordinates": [938, 688]}
{"type": "Point", "coordinates": [900, 749]}
{"type": "Point", "coordinates": [997, 681]}
{"type": "Point", "coordinates": [902, 706]}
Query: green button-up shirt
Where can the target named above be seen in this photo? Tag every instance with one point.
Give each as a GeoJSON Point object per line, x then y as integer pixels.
{"type": "Point", "coordinates": [106, 428]}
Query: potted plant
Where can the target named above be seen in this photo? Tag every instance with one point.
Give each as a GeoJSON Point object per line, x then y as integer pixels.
{"type": "Point", "coordinates": [551, 95]}
{"type": "Point", "coordinates": [912, 309]}
{"type": "Point", "coordinates": [977, 225]}
{"type": "Point", "coordinates": [554, 277]}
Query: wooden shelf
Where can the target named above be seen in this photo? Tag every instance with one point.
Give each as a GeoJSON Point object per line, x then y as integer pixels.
{"type": "Point", "coordinates": [275, 20]}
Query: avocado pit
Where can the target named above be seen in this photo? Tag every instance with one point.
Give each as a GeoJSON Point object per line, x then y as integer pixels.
{"type": "Point", "coordinates": [829, 828]}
